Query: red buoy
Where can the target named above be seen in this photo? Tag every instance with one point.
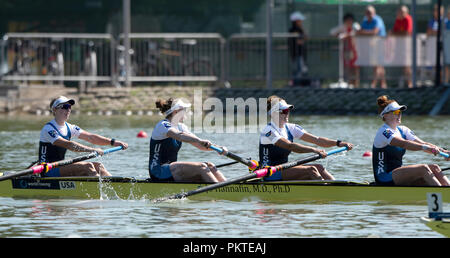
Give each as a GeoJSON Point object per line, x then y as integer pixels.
{"type": "Point", "coordinates": [142, 134]}
{"type": "Point", "coordinates": [367, 154]}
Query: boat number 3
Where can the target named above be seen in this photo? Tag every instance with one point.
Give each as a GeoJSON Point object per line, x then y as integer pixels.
{"type": "Point", "coordinates": [434, 202]}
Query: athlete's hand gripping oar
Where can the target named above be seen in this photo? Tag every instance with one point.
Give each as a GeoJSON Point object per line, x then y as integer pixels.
{"type": "Point", "coordinates": [47, 166]}
{"type": "Point", "coordinates": [257, 174]}
{"type": "Point", "coordinates": [251, 164]}
{"type": "Point", "coordinates": [445, 155]}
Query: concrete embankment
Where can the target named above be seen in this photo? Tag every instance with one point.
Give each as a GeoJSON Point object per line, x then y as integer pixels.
{"type": "Point", "coordinates": [35, 99]}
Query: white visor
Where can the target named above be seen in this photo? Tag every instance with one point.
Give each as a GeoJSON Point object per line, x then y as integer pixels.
{"type": "Point", "coordinates": [62, 100]}
{"type": "Point", "coordinates": [281, 105]}
{"type": "Point", "coordinates": [392, 107]}
{"type": "Point", "coordinates": [178, 105]}
{"type": "Point", "coordinates": [295, 16]}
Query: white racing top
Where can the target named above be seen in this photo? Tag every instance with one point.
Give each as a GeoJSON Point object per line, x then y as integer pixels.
{"type": "Point", "coordinates": [271, 133]}
{"type": "Point", "coordinates": [49, 134]}
{"type": "Point", "coordinates": [385, 135]}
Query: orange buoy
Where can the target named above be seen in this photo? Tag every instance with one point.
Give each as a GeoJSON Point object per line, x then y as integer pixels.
{"type": "Point", "coordinates": [142, 134]}
{"type": "Point", "coordinates": [367, 154]}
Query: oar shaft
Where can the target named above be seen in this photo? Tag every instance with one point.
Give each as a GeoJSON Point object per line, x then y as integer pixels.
{"type": "Point", "coordinates": [257, 174]}
{"type": "Point", "coordinates": [226, 164]}
{"type": "Point", "coordinates": [263, 172]}
{"type": "Point", "coordinates": [235, 157]}
{"type": "Point", "coordinates": [214, 186]}
{"type": "Point", "coordinates": [40, 168]}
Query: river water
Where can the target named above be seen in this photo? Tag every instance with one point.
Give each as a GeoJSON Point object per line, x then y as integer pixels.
{"type": "Point", "coordinates": [191, 219]}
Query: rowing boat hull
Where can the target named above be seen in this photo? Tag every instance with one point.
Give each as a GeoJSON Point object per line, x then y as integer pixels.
{"type": "Point", "coordinates": [288, 191]}
{"type": "Point", "coordinates": [441, 226]}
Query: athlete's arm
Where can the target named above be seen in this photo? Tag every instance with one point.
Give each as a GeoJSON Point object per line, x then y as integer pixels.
{"type": "Point", "coordinates": [189, 138]}
{"type": "Point", "coordinates": [298, 148]}
{"type": "Point", "coordinates": [75, 146]}
{"type": "Point", "coordinates": [100, 140]}
{"type": "Point", "coordinates": [414, 145]}
{"type": "Point", "coordinates": [418, 140]}
{"type": "Point", "coordinates": [323, 141]}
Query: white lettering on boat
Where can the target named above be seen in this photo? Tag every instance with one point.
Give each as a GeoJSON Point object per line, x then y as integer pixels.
{"type": "Point", "coordinates": [37, 184]}
{"type": "Point", "coordinates": [67, 185]}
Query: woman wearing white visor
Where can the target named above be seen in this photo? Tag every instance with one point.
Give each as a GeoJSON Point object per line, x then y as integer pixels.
{"type": "Point", "coordinates": [166, 141]}
{"type": "Point", "coordinates": [56, 138]}
{"type": "Point", "coordinates": [390, 144]}
{"type": "Point", "coordinates": [277, 142]}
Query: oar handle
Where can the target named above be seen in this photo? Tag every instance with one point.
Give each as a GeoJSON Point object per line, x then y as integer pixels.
{"type": "Point", "coordinates": [443, 154]}
{"type": "Point", "coordinates": [118, 148]}
{"type": "Point", "coordinates": [331, 152]}
{"type": "Point", "coordinates": [219, 150]}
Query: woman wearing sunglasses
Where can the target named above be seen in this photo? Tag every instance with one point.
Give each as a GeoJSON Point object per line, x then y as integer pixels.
{"type": "Point", "coordinates": [277, 142]}
{"type": "Point", "coordinates": [390, 144]}
{"type": "Point", "coordinates": [167, 138]}
{"type": "Point", "coordinates": [55, 140]}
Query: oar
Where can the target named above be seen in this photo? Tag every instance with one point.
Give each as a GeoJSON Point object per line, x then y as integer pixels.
{"type": "Point", "coordinates": [251, 164]}
{"type": "Point", "coordinates": [257, 174]}
{"type": "Point", "coordinates": [443, 154]}
{"type": "Point", "coordinates": [227, 164]}
{"type": "Point", "coordinates": [47, 166]}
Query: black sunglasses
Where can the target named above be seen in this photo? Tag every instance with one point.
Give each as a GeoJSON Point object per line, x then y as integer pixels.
{"type": "Point", "coordinates": [65, 106]}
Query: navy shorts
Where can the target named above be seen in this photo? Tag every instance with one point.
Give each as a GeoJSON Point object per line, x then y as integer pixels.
{"type": "Point", "coordinates": [275, 177]}
{"type": "Point", "coordinates": [385, 179]}
{"type": "Point", "coordinates": [51, 173]}
{"type": "Point", "coordinates": [161, 173]}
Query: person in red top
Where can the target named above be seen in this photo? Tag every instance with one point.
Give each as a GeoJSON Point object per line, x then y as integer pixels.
{"type": "Point", "coordinates": [403, 23]}
{"type": "Point", "coordinates": [403, 26]}
{"type": "Point", "coordinates": [346, 33]}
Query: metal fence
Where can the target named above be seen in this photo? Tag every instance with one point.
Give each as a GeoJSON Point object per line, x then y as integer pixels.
{"type": "Point", "coordinates": [173, 57]}
{"type": "Point", "coordinates": [57, 57]}
{"type": "Point", "coordinates": [92, 59]}
{"type": "Point", "coordinates": [246, 57]}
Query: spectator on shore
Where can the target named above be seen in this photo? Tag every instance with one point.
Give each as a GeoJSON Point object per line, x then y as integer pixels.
{"type": "Point", "coordinates": [297, 47]}
{"type": "Point", "coordinates": [403, 23]}
{"type": "Point", "coordinates": [346, 33]}
{"type": "Point", "coordinates": [446, 41]}
{"type": "Point", "coordinates": [373, 25]}
{"type": "Point", "coordinates": [433, 23]}
{"type": "Point", "coordinates": [403, 26]}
